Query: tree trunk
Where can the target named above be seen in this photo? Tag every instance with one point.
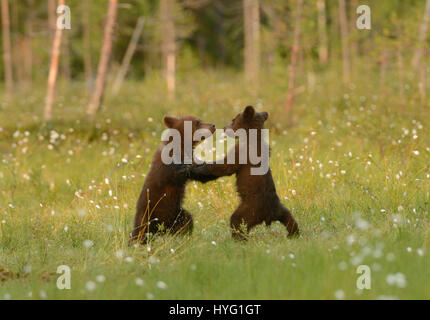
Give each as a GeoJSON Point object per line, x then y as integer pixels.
{"type": "Point", "coordinates": [343, 22]}
{"type": "Point", "coordinates": [401, 74]}
{"type": "Point", "coordinates": [28, 51]}
{"type": "Point", "coordinates": [353, 33]}
{"type": "Point", "coordinates": [422, 36]}
{"type": "Point", "coordinates": [65, 66]}
{"type": "Point", "coordinates": [53, 70]}
{"type": "Point", "coordinates": [88, 70]}
{"type": "Point", "coordinates": [219, 30]}
{"type": "Point", "coordinates": [169, 45]}
{"type": "Point", "coordinates": [17, 45]}
{"type": "Point", "coordinates": [7, 59]}
{"type": "Point", "coordinates": [52, 10]}
{"type": "Point", "coordinates": [103, 67]}
{"type": "Point", "coordinates": [251, 18]}
{"type": "Point", "coordinates": [128, 55]}
{"type": "Point", "coordinates": [383, 71]}
{"type": "Point", "coordinates": [294, 52]}
{"type": "Point", "coordinates": [423, 83]}
{"type": "Point", "coordinates": [322, 32]}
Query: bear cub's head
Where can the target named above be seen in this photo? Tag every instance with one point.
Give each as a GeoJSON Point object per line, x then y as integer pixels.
{"type": "Point", "coordinates": [248, 119]}
{"type": "Point", "coordinates": [178, 123]}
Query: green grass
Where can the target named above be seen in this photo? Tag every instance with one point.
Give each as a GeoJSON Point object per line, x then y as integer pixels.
{"type": "Point", "coordinates": [354, 170]}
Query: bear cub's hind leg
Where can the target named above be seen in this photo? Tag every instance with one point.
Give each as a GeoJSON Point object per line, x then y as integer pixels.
{"type": "Point", "coordinates": [286, 218]}
{"type": "Point", "coordinates": [183, 223]}
{"type": "Point", "coordinates": [241, 216]}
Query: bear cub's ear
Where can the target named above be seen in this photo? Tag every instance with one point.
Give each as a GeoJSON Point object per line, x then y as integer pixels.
{"type": "Point", "coordinates": [249, 112]}
{"type": "Point", "coordinates": [265, 115]}
{"type": "Point", "coordinates": [169, 121]}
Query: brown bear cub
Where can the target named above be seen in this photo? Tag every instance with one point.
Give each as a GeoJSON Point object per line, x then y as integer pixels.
{"type": "Point", "coordinates": [161, 197]}
{"type": "Point", "coordinates": [259, 201]}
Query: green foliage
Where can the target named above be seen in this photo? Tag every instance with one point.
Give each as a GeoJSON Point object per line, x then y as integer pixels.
{"type": "Point", "coordinates": [213, 31]}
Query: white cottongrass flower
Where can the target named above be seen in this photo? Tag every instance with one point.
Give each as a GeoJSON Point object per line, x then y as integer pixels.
{"type": "Point", "coordinates": [90, 286]}
{"type": "Point", "coordinates": [43, 294]}
{"type": "Point", "coordinates": [339, 294]}
{"type": "Point", "coordinates": [342, 266]}
{"type": "Point", "coordinates": [350, 239]}
{"type": "Point", "coordinates": [396, 279]}
{"type": "Point", "coordinates": [100, 278]}
{"type": "Point", "coordinates": [88, 243]}
{"type": "Point", "coordinates": [139, 282]}
{"type": "Point", "coordinates": [153, 259]}
{"type": "Point", "coordinates": [119, 254]}
{"type": "Point", "coordinates": [386, 298]}
{"type": "Point", "coordinates": [27, 269]}
{"type": "Point", "coordinates": [390, 256]}
{"type": "Point", "coordinates": [162, 285]}
{"type": "Point", "coordinates": [356, 260]}
{"type": "Point", "coordinates": [361, 223]}
{"type": "Point", "coordinates": [149, 296]}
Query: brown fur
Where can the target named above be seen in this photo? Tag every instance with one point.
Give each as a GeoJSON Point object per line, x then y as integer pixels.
{"type": "Point", "coordinates": [160, 201]}
{"type": "Point", "coordinates": [259, 201]}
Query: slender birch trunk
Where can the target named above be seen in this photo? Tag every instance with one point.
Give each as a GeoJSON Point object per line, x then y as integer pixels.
{"type": "Point", "coordinates": [322, 32]}
{"type": "Point", "coordinates": [52, 9]}
{"type": "Point", "coordinates": [53, 70]}
{"type": "Point", "coordinates": [294, 53]}
{"type": "Point", "coordinates": [422, 85]}
{"type": "Point", "coordinates": [400, 67]}
{"type": "Point", "coordinates": [251, 18]}
{"type": "Point", "coordinates": [422, 37]}
{"type": "Point", "coordinates": [7, 58]}
{"type": "Point", "coordinates": [105, 54]}
{"type": "Point", "coordinates": [169, 45]}
{"type": "Point", "coordinates": [28, 51]}
{"type": "Point", "coordinates": [343, 22]}
{"type": "Point", "coordinates": [65, 66]}
{"type": "Point", "coordinates": [88, 70]}
{"type": "Point", "coordinates": [383, 71]}
{"type": "Point", "coordinates": [128, 55]}
{"type": "Point", "coordinates": [352, 33]}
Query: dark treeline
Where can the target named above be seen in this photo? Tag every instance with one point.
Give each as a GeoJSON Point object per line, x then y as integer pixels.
{"type": "Point", "coordinates": [208, 32]}
{"type": "Point", "coordinates": [178, 36]}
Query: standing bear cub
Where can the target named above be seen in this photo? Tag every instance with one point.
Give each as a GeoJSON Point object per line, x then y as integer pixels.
{"type": "Point", "coordinates": [160, 201]}
{"type": "Point", "coordinates": [259, 201]}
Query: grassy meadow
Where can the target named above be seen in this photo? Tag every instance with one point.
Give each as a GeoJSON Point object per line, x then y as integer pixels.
{"type": "Point", "coordinates": [353, 166]}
